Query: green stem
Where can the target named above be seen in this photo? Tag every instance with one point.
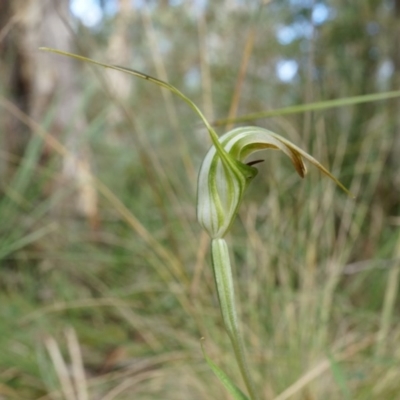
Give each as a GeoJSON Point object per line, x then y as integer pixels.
{"type": "Point", "coordinates": [214, 137]}
{"type": "Point", "coordinates": [226, 295]}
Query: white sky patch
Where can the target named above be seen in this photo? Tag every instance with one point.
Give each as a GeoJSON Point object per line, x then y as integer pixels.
{"type": "Point", "coordinates": [286, 70]}
{"type": "Point", "coordinates": [320, 13]}
{"type": "Point", "coordinates": [88, 11]}
{"type": "Point", "coordinates": [138, 3]}
{"type": "Point", "coordinates": [193, 78]}
{"type": "Point", "coordinates": [111, 7]}
{"type": "Point", "coordinates": [303, 28]}
{"type": "Point", "coordinates": [385, 70]}
{"type": "Point", "coordinates": [286, 34]}
{"type": "Point", "coordinates": [302, 3]}
{"type": "Point", "coordinates": [164, 45]}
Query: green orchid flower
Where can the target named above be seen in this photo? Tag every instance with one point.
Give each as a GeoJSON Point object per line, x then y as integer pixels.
{"type": "Point", "coordinates": [224, 176]}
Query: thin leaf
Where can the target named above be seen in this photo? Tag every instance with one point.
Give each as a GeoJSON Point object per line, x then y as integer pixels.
{"type": "Point", "coordinates": [320, 105]}
{"type": "Point", "coordinates": [214, 137]}
{"type": "Point", "coordinates": [340, 377]}
{"type": "Point", "coordinates": [225, 380]}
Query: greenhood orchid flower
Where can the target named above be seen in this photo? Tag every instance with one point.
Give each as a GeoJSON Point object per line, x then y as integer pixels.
{"type": "Point", "coordinates": [224, 177]}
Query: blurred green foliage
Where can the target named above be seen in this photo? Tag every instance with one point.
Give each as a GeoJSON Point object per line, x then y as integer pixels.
{"type": "Point", "coordinates": [316, 271]}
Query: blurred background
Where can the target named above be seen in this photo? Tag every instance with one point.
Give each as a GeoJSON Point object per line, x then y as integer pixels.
{"type": "Point", "coordinates": [106, 285]}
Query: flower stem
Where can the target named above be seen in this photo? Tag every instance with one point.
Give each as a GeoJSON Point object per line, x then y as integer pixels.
{"type": "Point", "coordinates": [226, 295]}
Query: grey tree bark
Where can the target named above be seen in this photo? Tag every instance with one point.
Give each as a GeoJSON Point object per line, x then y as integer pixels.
{"type": "Point", "coordinates": [37, 80]}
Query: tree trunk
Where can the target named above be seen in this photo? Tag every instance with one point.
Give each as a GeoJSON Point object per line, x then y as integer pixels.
{"type": "Point", "coordinates": [38, 80]}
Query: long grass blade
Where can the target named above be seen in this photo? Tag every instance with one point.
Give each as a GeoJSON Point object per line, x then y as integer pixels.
{"type": "Point", "coordinates": [225, 380]}
{"type": "Point", "coordinates": [320, 105]}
